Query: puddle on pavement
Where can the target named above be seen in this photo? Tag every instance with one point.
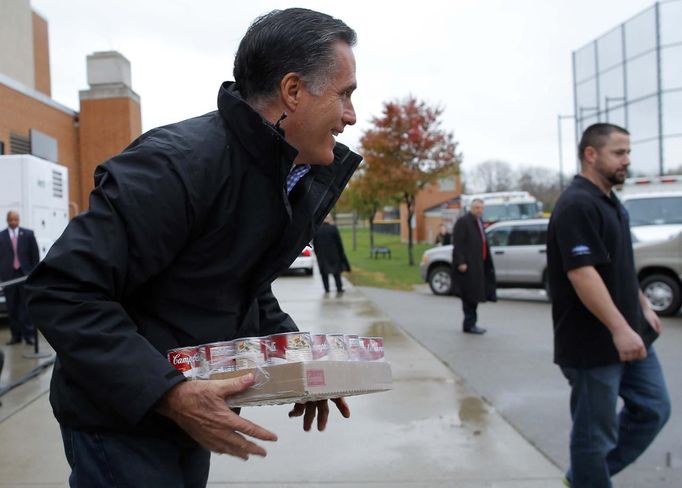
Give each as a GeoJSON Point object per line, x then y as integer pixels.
{"type": "Point", "coordinates": [472, 409]}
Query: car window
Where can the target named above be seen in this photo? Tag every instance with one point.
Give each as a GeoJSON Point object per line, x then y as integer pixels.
{"type": "Point", "coordinates": [528, 236]}
{"type": "Point", "coordinates": [654, 211]}
{"type": "Point", "coordinates": [498, 237]}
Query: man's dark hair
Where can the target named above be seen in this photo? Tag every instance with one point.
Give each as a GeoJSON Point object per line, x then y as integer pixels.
{"type": "Point", "coordinates": [295, 40]}
{"type": "Point", "coordinates": [596, 135]}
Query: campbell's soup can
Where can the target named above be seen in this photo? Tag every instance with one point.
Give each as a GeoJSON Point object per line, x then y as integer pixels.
{"type": "Point", "coordinates": [355, 350]}
{"type": "Point", "coordinates": [186, 360]}
{"type": "Point", "coordinates": [217, 357]}
{"type": "Point", "coordinates": [290, 347]}
{"type": "Point", "coordinates": [250, 352]}
{"type": "Point", "coordinates": [338, 347]}
{"type": "Point", "coordinates": [320, 347]}
{"type": "Point", "coordinates": [373, 348]}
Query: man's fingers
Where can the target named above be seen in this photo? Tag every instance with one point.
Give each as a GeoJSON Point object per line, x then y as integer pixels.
{"type": "Point", "coordinates": [342, 406]}
{"type": "Point", "coordinates": [310, 409]}
{"type": "Point", "coordinates": [322, 414]}
{"type": "Point", "coordinates": [232, 386]}
{"type": "Point", "coordinates": [298, 410]}
{"type": "Point", "coordinates": [237, 445]}
{"type": "Point", "coordinates": [252, 430]}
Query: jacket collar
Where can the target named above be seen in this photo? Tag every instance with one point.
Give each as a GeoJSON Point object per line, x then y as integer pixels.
{"type": "Point", "coordinates": [260, 138]}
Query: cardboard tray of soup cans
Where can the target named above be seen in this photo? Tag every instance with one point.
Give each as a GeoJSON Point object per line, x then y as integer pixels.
{"type": "Point", "coordinates": [294, 367]}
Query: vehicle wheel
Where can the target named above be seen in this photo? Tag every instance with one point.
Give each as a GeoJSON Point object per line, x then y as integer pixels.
{"type": "Point", "coordinates": [663, 293]}
{"type": "Point", "coordinates": [309, 272]}
{"type": "Point", "coordinates": [440, 280]}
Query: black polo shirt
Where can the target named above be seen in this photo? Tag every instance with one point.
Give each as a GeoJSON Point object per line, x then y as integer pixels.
{"type": "Point", "coordinates": [589, 228]}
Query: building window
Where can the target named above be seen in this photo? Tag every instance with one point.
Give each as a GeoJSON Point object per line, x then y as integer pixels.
{"type": "Point", "coordinates": [446, 184]}
{"type": "Point", "coordinates": [19, 144]}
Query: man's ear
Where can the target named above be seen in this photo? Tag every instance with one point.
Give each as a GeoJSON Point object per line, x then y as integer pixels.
{"type": "Point", "coordinates": [590, 154]}
{"type": "Point", "coordinates": [290, 89]}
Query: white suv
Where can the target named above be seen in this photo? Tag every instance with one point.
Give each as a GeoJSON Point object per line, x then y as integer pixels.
{"type": "Point", "coordinates": [655, 206]}
{"type": "Point", "coordinates": [519, 252]}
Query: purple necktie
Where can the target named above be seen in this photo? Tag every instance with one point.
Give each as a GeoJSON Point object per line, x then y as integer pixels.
{"type": "Point", "coordinates": [15, 263]}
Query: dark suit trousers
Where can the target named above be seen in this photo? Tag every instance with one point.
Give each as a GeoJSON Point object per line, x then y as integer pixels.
{"type": "Point", "coordinates": [19, 323]}
{"type": "Point", "coordinates": [337, 280]}
{"type": "Point", "coordinates": [470, 315]}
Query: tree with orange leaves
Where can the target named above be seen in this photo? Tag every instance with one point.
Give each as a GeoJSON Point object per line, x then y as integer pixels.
{"type": "Point", "coordinates": [406, 150]}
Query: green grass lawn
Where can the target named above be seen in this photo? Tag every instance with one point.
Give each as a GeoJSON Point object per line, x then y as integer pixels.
{"type": "Point", "coordinates": [394, 273]}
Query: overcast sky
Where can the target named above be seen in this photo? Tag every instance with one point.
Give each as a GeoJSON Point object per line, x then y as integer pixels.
{"type": "Point", "coordinates": [500, 68]}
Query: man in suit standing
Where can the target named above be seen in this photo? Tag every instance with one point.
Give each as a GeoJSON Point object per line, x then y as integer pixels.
{"type": "Point", "coordinates": [331, 258]}
{"type": "Point", "coordinates": [18, 256]}
{"type": "Point", "coordinates": [473, 274]}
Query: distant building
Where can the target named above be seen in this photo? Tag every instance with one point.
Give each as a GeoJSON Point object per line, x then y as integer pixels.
{"type": "Point", "coordinates": [632, 76]}
{"type": "Point", "coordinates": [429, 206]}
{"type": "Point", "coordinates": [32, 123]}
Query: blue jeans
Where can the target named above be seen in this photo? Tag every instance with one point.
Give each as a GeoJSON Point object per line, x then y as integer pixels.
{"type": "Point", "coordinates": [603, 442]}
{"type": "Point", "coordinates": [108, 460]}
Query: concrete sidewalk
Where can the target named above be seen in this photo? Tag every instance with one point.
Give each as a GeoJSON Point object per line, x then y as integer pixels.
{"type": "Point", "coordinates": [429, 431]}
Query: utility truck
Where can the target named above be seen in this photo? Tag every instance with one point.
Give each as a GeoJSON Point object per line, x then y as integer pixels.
{"type": "Point", "coordinates": [39, 190]}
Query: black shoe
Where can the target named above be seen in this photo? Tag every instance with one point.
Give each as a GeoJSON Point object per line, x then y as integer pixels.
{"type": "Point", "coordinates": [475, 330]}
{"type": "Point", "coordinates": [13, 341]}
{"type": "Point", "coordinates": [30, 342]}
{"type": "Point", "coordinates": [341, 291]}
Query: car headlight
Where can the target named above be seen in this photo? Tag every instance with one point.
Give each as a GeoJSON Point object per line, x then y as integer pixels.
{"type": "Point", "coordinates": [425, 259]}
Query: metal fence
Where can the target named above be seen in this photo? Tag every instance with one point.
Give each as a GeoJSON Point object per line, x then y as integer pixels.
{"type": "Point", "coordinates": [632, 76]}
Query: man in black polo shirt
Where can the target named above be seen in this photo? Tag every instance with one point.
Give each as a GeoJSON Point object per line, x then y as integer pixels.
{"type": "Point", "coordinates": [604, 326]}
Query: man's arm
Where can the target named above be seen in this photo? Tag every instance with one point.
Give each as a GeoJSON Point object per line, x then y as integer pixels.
{"type": "Point", "coordinates": [272, 319]}
{"type": "Point", "coordinates": [459, 242]}
{"type": "Point", "coordinates": [592, 291]}
{"type": "Point", "coordinates": [139, 218]}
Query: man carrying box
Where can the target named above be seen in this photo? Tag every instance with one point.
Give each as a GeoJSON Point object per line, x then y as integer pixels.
{"type": "Point", "coordinates": [186, 230]}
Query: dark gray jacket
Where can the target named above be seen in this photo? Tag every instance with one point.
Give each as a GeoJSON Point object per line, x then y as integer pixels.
{"type": "Point", "coordinates": [186, 230]}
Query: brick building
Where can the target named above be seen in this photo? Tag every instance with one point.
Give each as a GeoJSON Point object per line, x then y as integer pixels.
{"type": "Point", "coordinates": [427, 216]}
{"type": "Point", "coordinates": [108, 119]}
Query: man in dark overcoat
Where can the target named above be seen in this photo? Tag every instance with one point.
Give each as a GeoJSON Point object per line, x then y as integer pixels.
{"type": "Point", "coordinates": [18, 256]}
{"type": "Point", "coordinates": [331, 258]}
{"type": "Point", "coordinates": [473, 273]}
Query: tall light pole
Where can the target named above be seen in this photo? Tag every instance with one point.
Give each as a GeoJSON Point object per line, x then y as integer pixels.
{"type": "Point", "coordinates": [561, 149]}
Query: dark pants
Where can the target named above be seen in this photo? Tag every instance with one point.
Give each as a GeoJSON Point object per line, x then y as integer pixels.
{"type": "Point", "coordinates": [15, 297]}
{"type": "Point", "coordinates": [111, 460]}
{"type": "Point", "coordinates": [603, 441]}
{"type": "Point", "coordinates": [337, 280]}
{"type": "Point", "coordinates": [470, 316]}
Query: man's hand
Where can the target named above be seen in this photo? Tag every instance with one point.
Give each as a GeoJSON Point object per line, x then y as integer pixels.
{"type": "Point", "coordinates": [320, 408]}
{"type": "Point", "coordinates": [629, 344]}
{"type": "Point", "coordinates": [199, 408]}
{"type": "Point", "coordinates": [462, 268]}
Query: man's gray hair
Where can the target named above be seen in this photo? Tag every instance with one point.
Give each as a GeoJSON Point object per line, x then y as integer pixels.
{"type": "Point", "coordinates": [295, 40]}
